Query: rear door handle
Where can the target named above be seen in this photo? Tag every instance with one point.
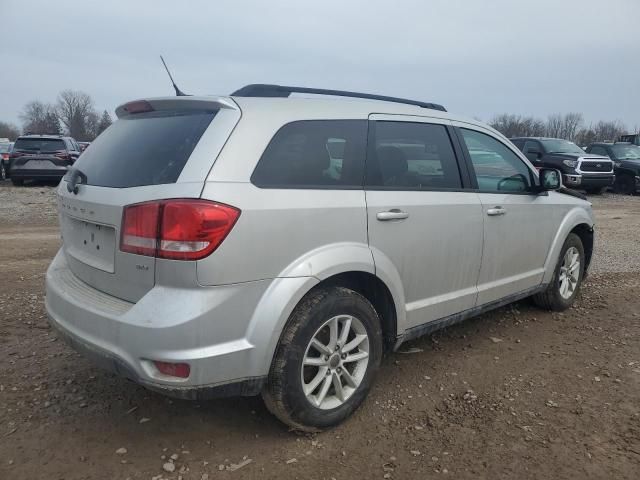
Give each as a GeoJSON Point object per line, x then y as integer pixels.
{"type": "Point", "coordinates": [495, 211]}
{"type": "Point", "coordinates": [393, 214]}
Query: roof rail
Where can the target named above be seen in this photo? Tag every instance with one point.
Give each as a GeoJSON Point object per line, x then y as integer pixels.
{"type": "Point", "coordinates": [266, 90]}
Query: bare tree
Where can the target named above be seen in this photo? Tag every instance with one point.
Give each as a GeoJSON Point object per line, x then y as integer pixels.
{"type": "Point", "coordinates": [601, 132]}
{"type": "Point", "coordinates": [76, 112]}
{"type": "Point", "coordinates": [609, 131]}
{"type": "Point", "coordinates": [564, 126]}
{"type": "Point", "coordinates": [517, 126]}
{"type": "Point", "coordinates": [39, 117]}
{"type": "Point", "coordinates": [9, 130]}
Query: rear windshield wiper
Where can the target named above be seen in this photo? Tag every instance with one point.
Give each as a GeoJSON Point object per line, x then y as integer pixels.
{"type": "Point", "coordinates": [73, 175]}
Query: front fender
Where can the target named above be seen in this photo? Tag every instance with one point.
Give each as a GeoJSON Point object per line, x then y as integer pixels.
{"type": "Point", "coordinates": [574, 217]}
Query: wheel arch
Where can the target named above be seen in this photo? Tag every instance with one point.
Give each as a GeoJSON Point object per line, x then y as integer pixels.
{"type": "Point", "coordinates": [578, 221]}
{"type": "Point", "coordinates": [350, 265]}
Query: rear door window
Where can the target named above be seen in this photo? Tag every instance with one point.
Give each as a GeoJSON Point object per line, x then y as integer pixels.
{"type": "Point", "coordinates": [144, 149]}
{"type": "Point", "coordinates": [40, 144]}
{"type": "Point", "coordinates": [412, 156]}
{"type": "Point", "coordinates": [325, 154]}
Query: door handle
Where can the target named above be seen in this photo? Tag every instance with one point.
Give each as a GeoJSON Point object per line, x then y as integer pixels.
{"type": "Point", "coordinates": [393, 214]}
{"type": "Point", "coordinates": [495, 211]}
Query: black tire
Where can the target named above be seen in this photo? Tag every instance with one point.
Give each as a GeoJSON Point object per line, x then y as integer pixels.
{"type": "Point", "coordinates": [551, 299]}
{"type": "Point", "coordinates": [17, 182]}
{"type": "Point", "coordinates": [624, 184]}
{"type": "Point", "coordinates": [283, 394]}
{"type": "Point", "coordinates": [3, 171]}
{"type": "Point", "coordinates": [595, 191]}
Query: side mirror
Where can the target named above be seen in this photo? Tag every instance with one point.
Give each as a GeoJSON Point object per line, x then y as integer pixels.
{"type": "Point", "coordinates": [550, 179]}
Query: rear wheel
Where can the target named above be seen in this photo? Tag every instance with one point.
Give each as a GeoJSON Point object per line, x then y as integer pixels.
{"type": "Point", "coordinates": [624, 184]}
{"type": "Point", "coordinates": [326, 360]}
{"type": "Point", "coordinates": [567, 277]}
{"type": "Point", "coordinates": [17, 182]}
{"type": "Point", "coordinates": [3, 172]}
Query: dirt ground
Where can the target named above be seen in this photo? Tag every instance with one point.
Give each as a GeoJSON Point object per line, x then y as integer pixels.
{"type": "Point", "coordinates": [518, 393]}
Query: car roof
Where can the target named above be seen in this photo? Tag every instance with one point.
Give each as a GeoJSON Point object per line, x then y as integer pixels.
{"type": "Point", "coordinates": [539, 138]}
{"type": "Point", "coordinates": [45, 136]}
{"type": "Point", "coordinates": [299, 108]}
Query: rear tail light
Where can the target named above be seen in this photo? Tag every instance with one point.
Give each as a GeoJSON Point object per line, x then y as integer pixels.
{"type": "Point", "coordinates": [178, 229]}
{"type": "Point", "coordinates": [5, 156]}
{"type": "Point", "coordinates": [63, 155]}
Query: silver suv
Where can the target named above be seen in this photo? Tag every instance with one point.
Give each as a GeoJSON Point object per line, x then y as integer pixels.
{"type": "Point", "coordinates": [260, 244]}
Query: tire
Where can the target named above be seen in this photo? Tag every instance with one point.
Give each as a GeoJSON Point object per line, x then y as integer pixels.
{"type": "Point", "coordinates": [624, 184]}
{"type": "Point", "coordinates": [3, 171]}
{"type": "Point", "coordinates": [17, 182]}
{"type": "Point", "coordinates": [553, 298]}
{"type": "Point", "coordinates": [312, 319]}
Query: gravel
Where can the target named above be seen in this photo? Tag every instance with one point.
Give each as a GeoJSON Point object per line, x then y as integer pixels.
{"type": "Point", "coordinates": [617, 233]}
{"type": "Point", "coordinates": [29, 205]}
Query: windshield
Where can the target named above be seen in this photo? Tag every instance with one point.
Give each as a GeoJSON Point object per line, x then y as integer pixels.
{"type": "Point", "coordinates": [561, 146]}
{"type": "Point", "coordinates": [5, 147]}
{"type": "Point", "coordinates": [629, 152]}
{"type": "Point", "coordinates": [39, 144]}
{"type": "Point", "coordinates": [143, 149]}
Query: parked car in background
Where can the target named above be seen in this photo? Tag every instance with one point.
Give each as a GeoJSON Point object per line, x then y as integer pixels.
{"type": "Point", "coordinates": [626, 159]}
{"type": "Point", "coordinates": [592, 173]}
{"type": "Point", "coordinates": [5, 150]}
{"type": "Point", "coordinates": [633, 138]}
{"type": "Point", "coordinates": [41, 157]}
{"type": "Point", "coordinates": [158, 278]}
{"type": "Point", "coordinates": [83, 146]}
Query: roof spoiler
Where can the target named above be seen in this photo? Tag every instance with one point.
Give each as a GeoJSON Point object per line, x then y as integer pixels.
{"type": "Point", "coordinates": [176, 103]}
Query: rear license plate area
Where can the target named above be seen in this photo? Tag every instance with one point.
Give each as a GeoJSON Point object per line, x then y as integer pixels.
{"type": "Point", "coordinates": [90, 243]}
{"type": "Point", "coordinates": [39, 164]}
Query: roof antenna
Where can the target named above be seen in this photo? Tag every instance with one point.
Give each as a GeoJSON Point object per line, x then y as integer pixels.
{"type": "Point", "coordinates": [179, 93]}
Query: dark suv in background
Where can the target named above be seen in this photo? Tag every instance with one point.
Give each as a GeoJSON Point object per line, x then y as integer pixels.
{"type": "Point", "coordinates": [41, 157]}
{"type": "Point", "coordinates": [633, 138]}
{"type": "Point", "coordinates": [626, 159]}
{"type": "Point", "coordinates": [592, 173]}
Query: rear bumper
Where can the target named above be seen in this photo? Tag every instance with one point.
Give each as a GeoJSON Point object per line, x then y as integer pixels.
{"type": "Point", "coordinates": [21, 173]}
{"type": "Point", "coordinates": [204, 327]}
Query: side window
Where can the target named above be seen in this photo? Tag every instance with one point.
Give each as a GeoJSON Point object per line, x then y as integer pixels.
{"type": "Point", "coordinates": [531, 146]}
{"type": "Point", "coordinates": [518, 143]}
{"type": "Point", "coordinates": [497, 168]}
{"type": "Point", "coordinates": [314, 154]}
{"type": "Point", "coordinates": [412, 156]}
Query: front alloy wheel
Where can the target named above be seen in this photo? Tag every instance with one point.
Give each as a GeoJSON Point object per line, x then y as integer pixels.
{"type": "Point", "coordinates": [569, 273]}
{"type": "Point", "coordinates": [567, 277]}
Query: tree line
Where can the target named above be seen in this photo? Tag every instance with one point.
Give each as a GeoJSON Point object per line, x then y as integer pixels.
{"type": "Point", "coordinates": [570, 126]}
{"type": "Point", "coordinates": [73, 114]}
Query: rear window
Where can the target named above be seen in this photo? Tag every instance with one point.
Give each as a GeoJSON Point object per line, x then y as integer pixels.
{"type": "Point", "coordinates": [144, 149]}
{"type": "Point", "coordinates": [314, 154]}
{"type": "Point", "coordinates": [40, 144]}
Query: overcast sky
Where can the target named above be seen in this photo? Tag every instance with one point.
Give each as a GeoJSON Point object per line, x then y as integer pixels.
{"type": "Point", "coordinates": [526, 57]}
